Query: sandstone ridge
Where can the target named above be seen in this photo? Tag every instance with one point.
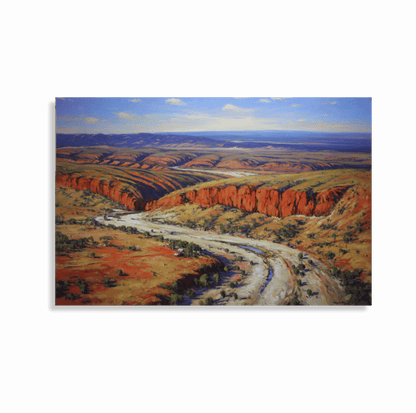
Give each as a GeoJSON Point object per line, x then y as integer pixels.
{"type": "Point", "coordinates": [110, 189]}
{"type": "Point", "coordinates": [268, 201]}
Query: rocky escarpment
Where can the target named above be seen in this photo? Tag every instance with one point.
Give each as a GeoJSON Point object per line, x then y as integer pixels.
{"type": "Point", "coordinates": [111, 189]}
{"type": "Point", "coordinates": [268, 201]}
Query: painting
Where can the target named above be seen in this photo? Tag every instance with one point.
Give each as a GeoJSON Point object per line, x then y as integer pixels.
{"type": "Point", "coordinates": [213, 201]}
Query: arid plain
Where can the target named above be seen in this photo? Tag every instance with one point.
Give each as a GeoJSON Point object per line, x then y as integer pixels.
{"type": "Point", "coordinates": [205, 226]}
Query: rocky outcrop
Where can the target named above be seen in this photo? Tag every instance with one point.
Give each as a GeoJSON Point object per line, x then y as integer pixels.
{"type": "Point", "coordinates": [249, 198]}
{"type": "Point", "coordinates": [110, 189]}
{"type": "Point", "coordinates": [268, 201]}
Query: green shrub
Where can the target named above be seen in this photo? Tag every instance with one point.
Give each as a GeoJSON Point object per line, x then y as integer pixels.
{"type": "Point", "coordinates": [295, 301]}
{"type": "Point", "coordinates": [119, 272]}
{"type": "Point", "coordinates": [222, 294]}
{"type": "Point", "coordinates": [309, 292]}
{"type": "Point", "coordinates": [92, 255]}
{"type": "Point", "coordinates": [232, 285]}
{"type": "Point", "coordinates": [209, 301]}
{"type": "Point", "coordinates": [299, 283]}
{"type": "Point", "coordinates": [330, 255]}
{"type": "Point", "coordinates": [235, 296]}
{"type": "Point", "coordinates": [204, 280]}
{"type": "Point", "coordinates": [217, 278]}
{"type": "Point", "coordinates": [201, 302]}
{"type": "Point", "coordinates": [176, 298]}
{"type": "Point", "coordinates": [300, 255]}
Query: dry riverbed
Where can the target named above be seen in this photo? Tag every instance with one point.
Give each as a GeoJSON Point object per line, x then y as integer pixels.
{"type": "Point", "coordinates": [268, 278]}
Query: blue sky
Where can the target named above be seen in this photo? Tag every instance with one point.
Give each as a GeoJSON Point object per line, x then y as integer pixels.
{"type": "Point", "coordinates": [158, 115]}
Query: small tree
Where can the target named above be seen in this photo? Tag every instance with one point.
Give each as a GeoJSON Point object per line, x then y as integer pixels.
{"type": "Point", "coordinates": [201, 302]}
{"type": "Point", "coordinates": [209, 301]}
{"type": "Point", "coordinates": [204, 281]}
{"type": "Point", "coordinates": [309, 292]}
{"type": "Point", "coordinates": [119, 272]}
{"type": "Point", "coordinates": [176, 298]}
{"type": "Point", "coordinates": [300, 255]}
{"type": "Point", "coordinates": [222, 294]}
{"type": "Point", "coordinates": [235, 296]}
{"type": "Point", "coordinates": [216, 278]}
{"type": "Point", "coordinates": [232, 285]}
{"type": "Point", "coordinates": [92, 255]}
{"type": "Point", "coordinates": [295, 301]}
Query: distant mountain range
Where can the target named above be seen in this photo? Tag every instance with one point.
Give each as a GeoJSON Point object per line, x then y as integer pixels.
{"type": "Point", "coordinates": [307, 141]}
{"type": "Point", "coordinates": [135, 140]}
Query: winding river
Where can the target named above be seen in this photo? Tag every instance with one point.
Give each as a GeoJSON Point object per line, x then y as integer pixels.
{"type": "Point", "coordinates": [269, 280]}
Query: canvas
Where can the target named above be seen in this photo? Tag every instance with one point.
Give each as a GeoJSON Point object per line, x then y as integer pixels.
{"type": "Point", "coordinates": [213, 201]}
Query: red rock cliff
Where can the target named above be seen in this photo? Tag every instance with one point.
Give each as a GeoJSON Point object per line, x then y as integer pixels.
{"type": "Point", "coordinates": [106, 188]}
{"type": "Point", "coordinates": [248, 198]}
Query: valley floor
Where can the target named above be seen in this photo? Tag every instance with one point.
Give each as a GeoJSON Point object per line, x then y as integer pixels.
{"type": "Point", "coordinates": [262, 271]}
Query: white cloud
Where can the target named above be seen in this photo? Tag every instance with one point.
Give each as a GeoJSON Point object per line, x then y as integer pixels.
{"type": "Point", "coordinates": [301, 120]}
{"type": "Point", "coordinates": [280, 99]}
{"type": "Point", "coordinates": [334, 103]}
{"type": "Point", "coordinates": [125, 115]}
{"type": "Point", "coordinates": [135, 100]}
{"type": "Point", "coordinates": [176, 102]}
{"type": "Point", "coordinates": [240, 98]}
{"type": "Point", "coordinates": [235, 109]}
{"type": "Point", "coordinates": [91, 120]}
{"type": "Point", "coordinates": [265, 100]}
{"type": "Point", "coordinates": [295, 105]}
{"type": "Point", "coordinates": [325, 114]}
